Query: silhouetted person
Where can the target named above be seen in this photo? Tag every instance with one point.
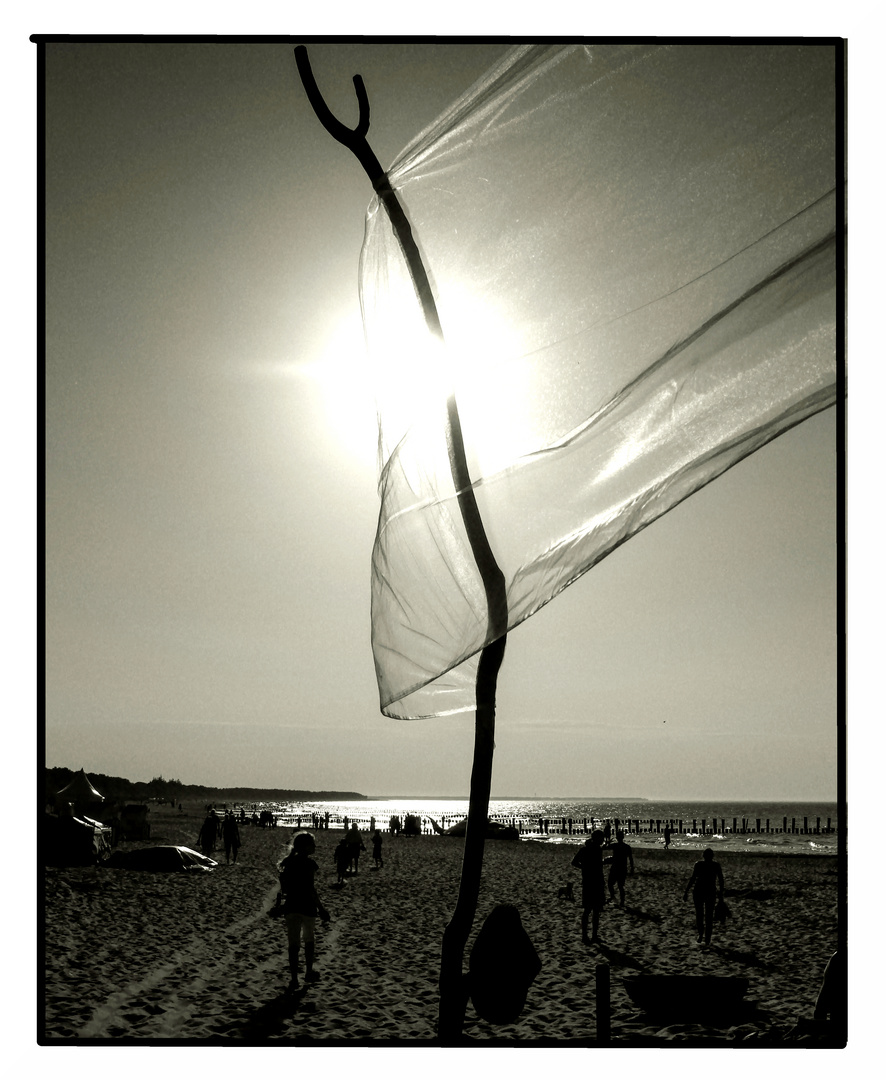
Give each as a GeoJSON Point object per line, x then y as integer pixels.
{"type": "Point", "coordinates": [589, 860]}
{"type": "Point", "coordinates": [355, 846]}
{"type": "Point", "coordinates": [620, 855]}
{"type": "Point", "coordinates": [502, 966]}
{"type": "Point", "coordinates": [667, 836]}
{"type": "Point", "coordinates": [301, 904]}
{"type": "Point", "coordinates": [342, 858]}
{"type": "Point", "coordinates": [231, 836]}
{"type": "Point", "coordinates": [607, 832]}
{"type": "Point", "coordinates": [376, 848]}
{"type": "Point", "coordinates": [706, 884]}
{"type": "Point", "coordinates": [208, 834]}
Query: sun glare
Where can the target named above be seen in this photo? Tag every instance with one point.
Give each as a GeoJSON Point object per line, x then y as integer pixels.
{"type": "Point", "coordinates": [408, 375]}
{"type": "Point", "coordinates": [342, 374]}
{"type": "Point", "coordinates": [492, 381]}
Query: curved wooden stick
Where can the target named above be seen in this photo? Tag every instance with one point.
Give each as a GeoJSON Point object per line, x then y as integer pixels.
{"type": "Point", "coordinates": [353, 138]}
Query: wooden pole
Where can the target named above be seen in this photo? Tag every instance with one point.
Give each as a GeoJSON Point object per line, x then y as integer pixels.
{"type": "Point", "coordinates": [453, 993]}
{"type": "Point", "coordinates": [452, 997]}
{"type": "Point", "coordinates": [601, 982]}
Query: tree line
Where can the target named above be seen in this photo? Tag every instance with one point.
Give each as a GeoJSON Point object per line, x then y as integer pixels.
{"type": "Point", "coordinates": [119, 789]}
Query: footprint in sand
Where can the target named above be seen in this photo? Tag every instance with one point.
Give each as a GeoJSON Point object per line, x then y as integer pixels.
{"type": "Point", "coordinates": [201, 964]}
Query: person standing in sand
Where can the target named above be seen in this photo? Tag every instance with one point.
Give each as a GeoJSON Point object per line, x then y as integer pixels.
{"type": "Point", "coordinates": [355, 846]}
{"type": "Point", "coordinates": [231, 836]}
{"type": "Point", "coordinates": [706, 884]}
{"type": "Point", "coordinates": [208, 834]}
{"type": "Point", "coordinates": [589, 860]}
{"type": "Point", "coordinates": [376, 849]}
{"type": "Point", "coordinates": [620, 856]}
{"type": "Point", "coordinates": [342, 859]}
{"type": "Point", "coordinates": [301, 904]}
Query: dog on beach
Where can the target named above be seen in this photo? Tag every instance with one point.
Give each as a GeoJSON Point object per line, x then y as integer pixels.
{"type": "Point", "coordinates": [565, 893]}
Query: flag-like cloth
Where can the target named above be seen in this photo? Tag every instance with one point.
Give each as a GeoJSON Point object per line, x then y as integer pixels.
{"type": "Point", "coordinates": [633, 254]}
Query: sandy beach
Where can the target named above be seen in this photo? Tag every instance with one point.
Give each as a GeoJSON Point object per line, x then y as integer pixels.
{"type": "Point", "coordinates": [137, 957]}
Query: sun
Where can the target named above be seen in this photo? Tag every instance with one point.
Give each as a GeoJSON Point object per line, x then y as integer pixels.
{"type": "Point", "coordinates": [479, 362]}
{"type": "Point", "coordinates": [402, 373]}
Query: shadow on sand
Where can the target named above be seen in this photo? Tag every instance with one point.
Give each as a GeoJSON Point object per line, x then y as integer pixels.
{"type": "Point", "coordinates": [270, 1020]}
{"type": "Point", "coordinates": [619, 959]}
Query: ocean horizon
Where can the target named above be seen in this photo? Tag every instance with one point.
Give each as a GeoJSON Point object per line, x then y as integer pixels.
{"type": "Point", "coordinates": [789, 827]}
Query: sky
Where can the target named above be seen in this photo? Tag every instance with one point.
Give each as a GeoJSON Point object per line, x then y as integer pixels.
{"type": "Point", "coordinates": [210, 488]}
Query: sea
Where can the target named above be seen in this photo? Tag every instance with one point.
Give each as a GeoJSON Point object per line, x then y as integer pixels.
{"type": "Point", "coordinates": [807, 829]}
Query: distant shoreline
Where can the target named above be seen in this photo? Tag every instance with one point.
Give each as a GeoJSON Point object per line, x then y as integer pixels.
{"type": "Point", "coordinates": [518, 798]}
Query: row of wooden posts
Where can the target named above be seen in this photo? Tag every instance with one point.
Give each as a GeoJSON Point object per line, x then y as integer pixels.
{"type": "Point", "coordinates": [699, 826]}
{"type": "Point", "coordinates": [562, 826]}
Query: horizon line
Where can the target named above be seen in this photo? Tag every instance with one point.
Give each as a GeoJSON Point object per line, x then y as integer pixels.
{"type": "Point", "coordinates": [622, 798]}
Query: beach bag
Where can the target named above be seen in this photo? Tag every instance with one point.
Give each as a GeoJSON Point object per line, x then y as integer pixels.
{"type": "Point", "coordinates": [722, 912]}
{"type": "Point", "coordinates": [502, 966]}
{"type": "Point", "coordinates": [276, 911]}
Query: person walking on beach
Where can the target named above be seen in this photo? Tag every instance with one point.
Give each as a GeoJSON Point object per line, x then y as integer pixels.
{"type": "Point", "coordinates": [342, 857]}
{"type": "Point", "coordinates": [208, 834]}
{"type": "Point", "coordinates": [231, 836]}
{"type": "Point", "coordinates": [620, 856]}
{"type": "Point", "coordinates": [355, 846]}
{"type": "Point", "coordinates": [376, 849]}
{"type": "Point", "coordinates": [706, 884]}
{"type": "Point", "coordinates": [667, 836]}
{"type": "Point", "coordinates": [301, 904]}
{"type": "Point", "coordinates": [589, 860]}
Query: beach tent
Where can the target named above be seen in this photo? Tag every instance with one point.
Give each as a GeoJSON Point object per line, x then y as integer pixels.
{"type": "Point", "coordinates": [67, 840]}
{"type": "Point", "coordinates": [79, 792]}
{"type": "Point", "coordinates": [622, 280]}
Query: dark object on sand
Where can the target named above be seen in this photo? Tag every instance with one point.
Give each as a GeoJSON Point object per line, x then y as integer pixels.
{"type": "Point", "coordinates": [73, 841]}
{"type": "Point", "coordinates": [722, 912]}
{"type": "Point", "coordinates": [686, 996]}
{"type": "Point", "coordinates": [494, 831]}
{"type": "Point", "coordinates": [502, 966]}
{"type": "Point", "coordinates": [165, 859]}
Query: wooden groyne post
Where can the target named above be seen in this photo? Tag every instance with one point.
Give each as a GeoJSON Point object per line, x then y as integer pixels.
{"type": "Point", "coordinates": [604, 1011]}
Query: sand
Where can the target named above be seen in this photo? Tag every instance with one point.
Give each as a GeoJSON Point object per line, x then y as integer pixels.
{"type": "Point", "coordinates": [138, 957]}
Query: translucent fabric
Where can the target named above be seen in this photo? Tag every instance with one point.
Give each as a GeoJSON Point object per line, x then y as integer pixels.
{"type": "Point", "coordinates": [633, 254]}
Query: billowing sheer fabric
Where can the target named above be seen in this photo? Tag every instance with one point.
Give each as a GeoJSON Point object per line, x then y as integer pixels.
{"type": "Point", "coordinates": [633, 254]}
